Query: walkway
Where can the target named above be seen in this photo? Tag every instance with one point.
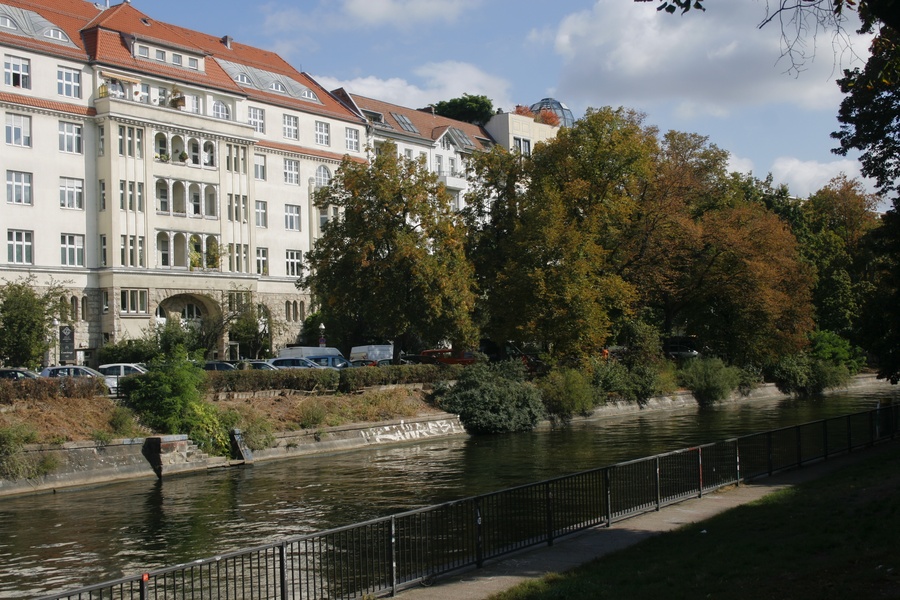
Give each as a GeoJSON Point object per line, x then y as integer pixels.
{"type": "Point", "coordinates": [580, 548]}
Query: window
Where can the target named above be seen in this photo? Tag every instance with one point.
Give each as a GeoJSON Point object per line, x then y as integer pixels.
{"type": "Point", "coordinates": [259, 167]}
{"type": "Point", "coordinates": [293, 264]}
{"type": "Point", "coordinates": [131, 141]}
{"type": "Point", "coordinates": [71, 193]}
{"type": "Point", "coordinates": [323, 133]}
{"type": "Point", "coordinates": [70, 137]}
{"type": "Point", "coordinates": [68, 82]}
{"type": "Point", "coordinates": [160, 55]}
{"type": "Point", "coordinates": [143, 52]}
{"type": "Point", "coordinates": [56, 34]}
{"type": "Point", "coordinates": [135, 196]}
{"type": "Point", "coordinates": [220, 110]}
{"type": "Point", "coordinates": [133, 302]}
{"type": "Point", "coordinates": [176, 59]}
{"type": "Point", "coordinates": [18, 130]}
{"type": "Point", "coordinates": [17, 72]}
{"type": "Point", "coordinates": [101, 141]}
{"type": "Point", "coordinates": [235, 158]}
{"type": "Point", "coordinates": [18, 187]}
{"type": "Point", "coordinates": [522, 145]}
{"type": "Point", "coordinates": [102, 251]}
{"type": "Point", "coordinates": [352, 139]}
{"type": "Point", "coordinates": [291, 127]}
{"type": "Point", "coordinates": [408, 153]}
{"type": "Point", "coordinates": [131, 251]}
{"type": "Point", "coordinates": [262, 213]}
{"type": "Point", "coordinates": [7, 23]}
{"type": "Point", "coordinates": [244, 78]}
{"type": "Point", "coordinates": [262, 261]}
{"type": "Point", "coordinates": [162, 197]}
{"type": "Point", "coordinates": [71, 250]}
{"type": "Point", "coordinates": [277, 86]}
{"type": "Point", "coordinates": [291, 171]}
{"type": "Point", "coordinates": [438, 164]}
{"type": "Point", "coordinates": [193, 63]}
{"type": "Point", "coordinates": [292, 217]}
{"type": "Point", "coordinates": [238, 208]}
{"type": "Point", "coordinates": [20, 247]}
{"type": "Point", "coordinates": [323, 176]}
{"type": "Point", "coordinates": [256, 117]}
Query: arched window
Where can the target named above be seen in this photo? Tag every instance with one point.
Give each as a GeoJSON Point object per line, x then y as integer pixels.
{"type": "Point", "coordinates": [295, 313]}
{"type": "Point", "coordinates": [277, 86]}
{"type": "Point", "coordinates": [220, 110]}
{"type": "Point", "coordinates": [287, 310]}
{"type": "Point", "coordinates": [73, 305]}
{"type": "Point", "coordinates": [84, 308]}
{"type": "Point", "coordinates": [323, 176]}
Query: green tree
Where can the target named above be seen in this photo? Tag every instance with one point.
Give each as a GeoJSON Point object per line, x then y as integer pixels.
{"type": "Point", "coordinates": [880, 316]}
{"type": "Point", "coordinates": [26, 320]}
{"type": "Point", "coordinates": [470, 108]}
{"type": "Point", "coordinates": [392, 265]}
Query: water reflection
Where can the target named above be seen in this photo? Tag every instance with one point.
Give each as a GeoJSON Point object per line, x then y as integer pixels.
{"type": "Point", "coordinates": [63, 540]}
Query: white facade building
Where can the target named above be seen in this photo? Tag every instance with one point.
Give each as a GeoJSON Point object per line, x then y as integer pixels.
{"type": "Point", "coordinates": [156, 170]}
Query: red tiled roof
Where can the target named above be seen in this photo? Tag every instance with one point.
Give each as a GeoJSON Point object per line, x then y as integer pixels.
{"type": "Point", "coordinates": [102, 35]}
{"type": "Point", "coordinates": [65, 107]}
{"type": "Point", "coordinates": [431, 127]}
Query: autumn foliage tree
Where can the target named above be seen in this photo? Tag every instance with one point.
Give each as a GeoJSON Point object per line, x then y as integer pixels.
{"type": "Point", "coordinates": [392, 265]}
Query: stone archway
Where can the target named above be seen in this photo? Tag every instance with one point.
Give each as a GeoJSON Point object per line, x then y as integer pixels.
{"type": "Point", "coordinates": [202, 314]}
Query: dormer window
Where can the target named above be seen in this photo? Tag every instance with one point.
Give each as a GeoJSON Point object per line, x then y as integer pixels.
{"type": "Point", "coordinates": [309, 95]}
{"type": "Point", "coordinates": [278, 87]}
{"type": "Point", "coordinates": [7, 23]}
{"type": "Point", "coordinates": [56, 34]}
{"type": "Point", "coordinates": [160, 55]}
{"type": "Point", "coordinates": [193, 63]}
{"type": "Point", "coordinates": [176, 59]}
{"type": "Point", "coordinates": [143, 51]}
{"type": "Point", "coordinates": [243, 78]}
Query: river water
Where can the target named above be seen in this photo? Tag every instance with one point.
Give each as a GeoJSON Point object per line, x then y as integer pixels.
{"type": "Point", "coordinates": [57, 541]}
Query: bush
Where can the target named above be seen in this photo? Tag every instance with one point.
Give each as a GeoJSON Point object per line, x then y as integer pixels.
{"type": "Point", "coordinates": [566, 392]}
{"type": "Point", "coordinates": [494, 398]}
{"type": "Point", "coordinates": [13, 464]}
{"type": "Point", "coordinates": [804, 375]}
{"type": "Point", "coordinates": [609, 380]}
{"type": "Point", "coordinates": [709, 380]}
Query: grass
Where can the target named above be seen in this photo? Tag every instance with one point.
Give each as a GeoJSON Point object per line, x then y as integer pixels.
{"type": "Point", "coordinates": [835, 537]}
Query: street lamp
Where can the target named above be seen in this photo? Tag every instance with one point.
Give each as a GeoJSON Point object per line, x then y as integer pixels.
{"type": "Point", "coordinates": [321, 335]}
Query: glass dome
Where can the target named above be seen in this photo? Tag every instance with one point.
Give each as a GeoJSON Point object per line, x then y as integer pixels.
{"type": "Point", "coordinates": [566, 118]}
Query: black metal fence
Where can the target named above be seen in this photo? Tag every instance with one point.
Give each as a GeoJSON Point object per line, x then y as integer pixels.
{"type": "Point", "coordinates": [382, 556]}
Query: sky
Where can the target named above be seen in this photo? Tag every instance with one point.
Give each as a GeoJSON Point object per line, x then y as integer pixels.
{"type": "Point", "coordinates": [713, 73]}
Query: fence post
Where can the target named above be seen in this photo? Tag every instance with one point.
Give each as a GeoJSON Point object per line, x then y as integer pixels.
{"type": "Point", "coordinates": [658, 486]}
{"type": "Point", "coordinates": [479, 535]}
{"type": "Point", "coordinates": [700, 471]}
{"type": "Point", "coordinates": [737, 461]}
{"type": "Point", "coordinates": [607, 479]}
{"type": "Point", "coordinates": [393, 534]}
{"type": "Point", "coordinates": [548, 498]}
{"type": "Point", "coordinates": [142, 588]}
{"type": "Point", "coordinates": [282, 570]}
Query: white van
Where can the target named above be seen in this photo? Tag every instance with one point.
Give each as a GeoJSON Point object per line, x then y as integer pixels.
{"type": "Point", "coordinates": [304, 351]}
{"type": "Point", "coordinates": [373, 353]}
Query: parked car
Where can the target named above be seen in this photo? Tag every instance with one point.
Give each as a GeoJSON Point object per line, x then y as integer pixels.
{"type": "Point", "coordinates": [217, 365]}
{"type": "Point", "coordinates": [679, 352]}
{"type": "Point", "coordinates": [113, 371]}
{"type": "Point", "coordinates": [17, 373]}
{"type": "Point", "coordinates": [329, 361]}
{"type": "Point", "coordinates": [260, 365]}
{"type": "Point", "coordinates": [71, 371]}
{"type": "Point", "coordinates": [363, 362]}
{"type": "Point", "coordinates": [293, 362]}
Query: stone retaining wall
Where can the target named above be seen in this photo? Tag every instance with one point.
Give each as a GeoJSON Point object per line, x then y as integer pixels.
{"type": "Point", "coordinates": [87, 463]}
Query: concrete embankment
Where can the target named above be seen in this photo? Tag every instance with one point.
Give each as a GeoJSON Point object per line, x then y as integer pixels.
{"type": "Point", "coordinates": [88, 463]}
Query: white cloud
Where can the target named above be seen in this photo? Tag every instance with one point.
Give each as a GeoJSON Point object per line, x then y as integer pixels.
{"type": "Point", "coordinates": [805, 177]}
{"type": "Point", "coordinates": [622, 53]}
{"type": "Point", "coordinates": [739, 164]}
{"type": "Point", "coordinates": [406, 13]}
{"type": "Point", "coordinates": [439, 81]}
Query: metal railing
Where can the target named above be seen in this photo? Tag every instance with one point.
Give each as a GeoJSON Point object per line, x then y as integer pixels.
{"type": "Point", "coordinates": [382, 556]}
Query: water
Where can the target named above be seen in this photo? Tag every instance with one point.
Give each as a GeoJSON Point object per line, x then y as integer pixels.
{"type": "Point", "coordinates": [52, 542]}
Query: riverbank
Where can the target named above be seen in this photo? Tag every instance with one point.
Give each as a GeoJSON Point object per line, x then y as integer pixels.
{"type": "Point", "coordinates": [88, 462]}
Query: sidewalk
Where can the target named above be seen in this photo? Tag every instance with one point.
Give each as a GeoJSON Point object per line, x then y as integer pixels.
{"type": "Point", "coordinates": [583, 547]}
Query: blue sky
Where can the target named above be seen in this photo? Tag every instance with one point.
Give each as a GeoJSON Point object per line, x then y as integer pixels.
{"type": "Point", "coordinates": [712, 73]}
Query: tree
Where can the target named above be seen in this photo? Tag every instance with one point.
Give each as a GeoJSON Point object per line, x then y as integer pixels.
{"type": "Point", "coordinates": [392, 265]}
{"type": "Point", "coordinates": [26, 320]}
{"type": "Point", "coordinates": [470, 108]}
{"type": "Point", "coordinates": [880, 316]}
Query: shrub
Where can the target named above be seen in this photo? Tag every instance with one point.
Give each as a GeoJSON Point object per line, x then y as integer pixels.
{"type": "Point", "coordinates": [709, 380]}
{"type": "Point", "coordinates": [566, 392]}
{"type": "Point", "coordinates": [804, 375]}
{"type": "Point", "coordinates": [494, 398]}
{"type": "Point", "coordinates": [609, 380]}
{"type": "Point", "coordinates": [310, 413]}
{"type": "Point", "coordinates": [122, 422]}
{"type": "Point", "coordinates": [13, 464]}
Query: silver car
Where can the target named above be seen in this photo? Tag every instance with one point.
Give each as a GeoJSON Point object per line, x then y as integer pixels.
{"type": "Point", "coordinates": [113, 371]}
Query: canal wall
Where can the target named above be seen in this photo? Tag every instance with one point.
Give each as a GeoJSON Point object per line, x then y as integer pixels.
{"type": "Point", "coordinates": [77, 464]}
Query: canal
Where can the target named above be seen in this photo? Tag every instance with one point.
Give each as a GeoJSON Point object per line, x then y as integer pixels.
{"type": "Point", "coordinates": [56, 541]}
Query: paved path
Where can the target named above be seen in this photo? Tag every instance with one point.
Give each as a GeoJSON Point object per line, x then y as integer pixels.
{"type": "Point", "coordinates": [565, 554]}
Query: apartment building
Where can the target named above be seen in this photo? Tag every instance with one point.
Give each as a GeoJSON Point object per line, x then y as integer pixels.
{"type": "Point", "coordinates": [157, 171]}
